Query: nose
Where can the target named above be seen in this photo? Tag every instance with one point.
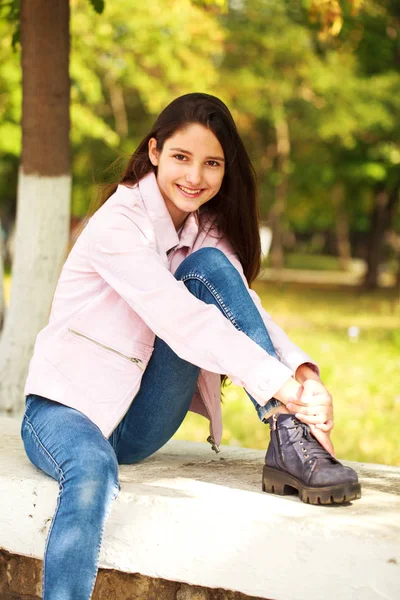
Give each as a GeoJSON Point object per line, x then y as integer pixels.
{"type": "Point", "coordinates": [194, 175]}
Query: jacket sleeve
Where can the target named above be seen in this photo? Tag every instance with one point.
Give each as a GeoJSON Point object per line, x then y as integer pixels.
{"type": "Point", "coordinates": [197, 332]}
{"type": "Point", "coordinates": [288, 353]}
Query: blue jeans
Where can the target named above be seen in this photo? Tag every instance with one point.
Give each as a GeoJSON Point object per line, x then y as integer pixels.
{"type": "Point", "coordinates": [69, 447]}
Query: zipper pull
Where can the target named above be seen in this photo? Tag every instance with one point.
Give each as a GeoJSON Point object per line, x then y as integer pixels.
{"type": "Point", "coordinates": [138, 362]}
{"type": "Point", "coordinates": [274, 421]}
{"type": "Point", "coordinates": [214, 446]}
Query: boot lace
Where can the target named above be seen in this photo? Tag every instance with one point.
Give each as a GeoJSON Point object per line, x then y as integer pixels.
{"type": "Point", "coordinates": [310, 445]}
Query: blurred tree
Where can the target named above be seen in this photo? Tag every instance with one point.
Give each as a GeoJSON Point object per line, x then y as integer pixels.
{"type": "Point", "coordinates": [378, 52]}
{"type": "Point", "coordinates": [266, 55]}
{"type": "Point", "coordinates": [268, 71]}
{"type": "Point", "coordinates": [43, 187]}
{"type": "Point", "coordinates": [320, 111]}
{"type": "Point", "coordinates": [363, 129]}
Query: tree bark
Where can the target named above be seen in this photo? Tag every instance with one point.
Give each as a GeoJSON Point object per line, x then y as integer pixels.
{"type": "Point", "coordinates": [398, 276]}
{"type": "Point", "coordinates": [282, 165]}
{"type": "Point", "coordinates": [117, 105]}
{"type": "Point", "coordinates": [43, 199]}
{"type": "Point", "coordinates": [385, 204]}
{"type": "Point", "coordinates": [342, 227]}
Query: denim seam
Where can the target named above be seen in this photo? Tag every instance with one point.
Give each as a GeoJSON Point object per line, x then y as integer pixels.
{"type": "Point", "coordinates": [228, 313]}
{"type": "Point", "coordinates": [263, 413]}
{"type": "Point", "coordinates": [117, 489]}
{"type": "Point", "coordinates": [61, 488]}
{"type": "Point", "coordinates": [46, 452]}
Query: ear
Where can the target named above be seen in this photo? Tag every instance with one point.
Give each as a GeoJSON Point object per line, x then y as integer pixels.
{"type": "Point", "coordinates": [153, 152]}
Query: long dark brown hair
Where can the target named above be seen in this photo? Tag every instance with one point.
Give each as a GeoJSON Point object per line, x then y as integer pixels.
{"type": "Point", "coordinates": [234, 208]}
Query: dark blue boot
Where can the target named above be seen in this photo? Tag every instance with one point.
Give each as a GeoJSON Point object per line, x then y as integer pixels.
{"type": "Point", "coordinates": [296, 461]}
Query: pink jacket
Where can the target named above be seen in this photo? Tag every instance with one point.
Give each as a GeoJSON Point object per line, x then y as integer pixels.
{"type": "Point", "coordinates": [117, 291]}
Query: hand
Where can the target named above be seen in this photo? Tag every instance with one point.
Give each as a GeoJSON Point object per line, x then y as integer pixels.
{"type": "Point", "coordinates": [323, 438]}
{"type": "Point", "coordinates": [314, 406]}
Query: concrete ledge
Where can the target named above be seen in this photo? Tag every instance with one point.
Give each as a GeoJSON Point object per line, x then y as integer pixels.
{"type": "Point", "coordinates": [190, 517]}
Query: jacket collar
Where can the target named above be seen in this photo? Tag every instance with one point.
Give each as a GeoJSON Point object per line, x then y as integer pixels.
{"type": "Point", "coordinates": [164, 227]}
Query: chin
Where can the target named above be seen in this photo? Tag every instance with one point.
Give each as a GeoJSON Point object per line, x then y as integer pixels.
{"type": "Point", "coordinates": [185, 205]}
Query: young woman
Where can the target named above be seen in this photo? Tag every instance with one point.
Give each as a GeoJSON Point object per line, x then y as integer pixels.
{"type": "Point", "coordinates": [152, 306]}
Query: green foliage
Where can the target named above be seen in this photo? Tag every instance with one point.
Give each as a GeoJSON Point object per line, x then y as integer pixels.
{"type": "Point", "coordinates": [124, 71]}
{"type": "Point", "coordinates": [219, 5]}
{"type": "Point", "coordinates": [341, 112]}
{"type": "Point", "coordinates": [10, 11]}
{"type": "Point", "coordinates": [338, 95]}
{"type": "Point", "coordinates": [98, 5]}
{"type": "Point", "coordinates": [10, 115]}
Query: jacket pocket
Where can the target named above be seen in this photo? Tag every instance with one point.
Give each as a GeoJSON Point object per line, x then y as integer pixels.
{"type": "Point", "coordinates": [134, 359]}
{"type": "Point", "coordinates": [104, 373]}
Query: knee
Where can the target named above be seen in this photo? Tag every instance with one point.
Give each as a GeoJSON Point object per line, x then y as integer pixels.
{"type": "Point", "coordinates": [94, 478]}
{"type": "Point", "coordinates": [204, 261]}
{"type": "Point", "coordinates": [135, 453]}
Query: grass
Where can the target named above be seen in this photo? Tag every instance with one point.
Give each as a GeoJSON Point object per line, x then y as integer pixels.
{"type": "Point", "coordinates": [363, 375]}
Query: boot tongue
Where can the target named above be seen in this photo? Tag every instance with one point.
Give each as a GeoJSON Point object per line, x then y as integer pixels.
{"type": "Point", "coordinates": [301, 431]}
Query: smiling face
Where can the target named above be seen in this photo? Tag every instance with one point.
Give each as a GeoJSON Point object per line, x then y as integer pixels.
{"type": "Point", "coordinates": [190, 169]}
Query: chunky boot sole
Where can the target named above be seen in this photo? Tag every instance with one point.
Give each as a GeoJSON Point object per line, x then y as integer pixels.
{"type": "Point", "coordinates": [279, 482]}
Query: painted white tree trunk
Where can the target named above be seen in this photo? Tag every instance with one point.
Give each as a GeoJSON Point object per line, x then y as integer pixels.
{"type": "Point", "coordinates": [40, 250]}
{"type": "Point", "coordinates": [266, 240]}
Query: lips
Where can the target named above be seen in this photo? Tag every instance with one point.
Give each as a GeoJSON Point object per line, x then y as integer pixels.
{"type": "Point", "coordinates": [189, 192]}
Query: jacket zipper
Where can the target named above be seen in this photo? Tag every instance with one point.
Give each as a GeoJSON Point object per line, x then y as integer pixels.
{"type": "Point", "coordinates": [210, 438]}
{"type": "Point", "coordinates": [137, 361]}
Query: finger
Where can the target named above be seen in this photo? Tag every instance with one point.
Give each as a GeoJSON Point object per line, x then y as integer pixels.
{"type": "Point", "coordinates": [311, 419]}
{"type": "Point", "coordinates": [328, 426]}
{"type": "Point", "coordinates": [323, 439]}
{"type": "Point", "coordinates": [311, 401]}
{"type": "Point", "coordinates": [315, 410]}
{"type": "Point", "coordinates": [296, 404]}
{"type": "Point", "coordinates": [323, 427]}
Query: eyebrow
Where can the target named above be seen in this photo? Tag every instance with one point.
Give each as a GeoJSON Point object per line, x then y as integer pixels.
{"type": "Point", "coordinates": [190, 154]}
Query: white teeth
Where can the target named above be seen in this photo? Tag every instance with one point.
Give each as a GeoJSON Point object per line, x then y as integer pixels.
{"type": "Point", "coordinates": [188, 191]}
